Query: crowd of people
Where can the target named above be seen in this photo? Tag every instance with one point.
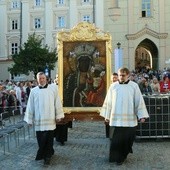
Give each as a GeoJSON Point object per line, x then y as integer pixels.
{"type": "Point", "coordinates": [125, 86]}
{"type": "Point", "coordinates": [150, 82]}
{"type": "Point", "coordinates": [13, 94]}
{"type": "Point", "coordinates": [31, 98]}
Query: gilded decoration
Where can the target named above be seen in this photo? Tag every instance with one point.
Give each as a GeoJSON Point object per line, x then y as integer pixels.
{"type": "Point", "coordinates": [84, 64]}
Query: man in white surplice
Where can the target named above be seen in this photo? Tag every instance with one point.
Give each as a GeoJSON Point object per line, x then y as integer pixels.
{"type": "Point", "coordinates": [123, 107]}
{"type": "Point", "coordinates": [44, 109]}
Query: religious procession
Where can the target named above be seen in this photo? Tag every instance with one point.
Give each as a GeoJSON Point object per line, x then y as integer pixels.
{"type": "Point", "coordinates": [135, 90]}
{"type": "Point", "coordinates": [84, 84]}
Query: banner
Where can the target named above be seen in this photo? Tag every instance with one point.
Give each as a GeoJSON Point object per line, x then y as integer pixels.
{"type": "Point", "coordinates": [118, 58]}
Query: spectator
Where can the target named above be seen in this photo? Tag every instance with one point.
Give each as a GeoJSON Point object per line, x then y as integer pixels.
{"type": "Point", "coordinates": [114, 77]}
{"type": "Point", "coordinates": [28, 88]}
{"type": "Point", "coordinates": [12, 100]}
{"type": "Point", "coordinates": [165, 84]}
{"type": "Point", "coordinates": [142, 84]}
{"type": "Point", "coordinates": [155, 86]}
{"type": "Point", "coordinates": [21, 97]}
{"type": "Point", "coordinates": [146, 89]}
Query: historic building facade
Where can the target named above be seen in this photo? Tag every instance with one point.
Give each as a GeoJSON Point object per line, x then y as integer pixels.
{"type": "Point", "coordinates": [142, 27]}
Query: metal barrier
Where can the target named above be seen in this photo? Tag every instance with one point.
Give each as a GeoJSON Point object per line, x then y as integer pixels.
{"type": "Point", "coordinates": [158, 124]}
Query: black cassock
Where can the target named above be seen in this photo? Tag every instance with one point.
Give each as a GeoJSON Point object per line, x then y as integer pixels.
{"type": "Point", "coordinates": [61, 132]}
{"type": "Point", "coordinates": [121, 142]}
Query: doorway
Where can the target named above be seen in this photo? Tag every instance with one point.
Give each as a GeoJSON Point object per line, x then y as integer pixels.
{"type": "Point", "coordinates": [146, 55]}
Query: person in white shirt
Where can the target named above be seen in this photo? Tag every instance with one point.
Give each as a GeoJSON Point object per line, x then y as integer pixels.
{"type": "Point", "coordinates": [44, 109]}
{"type": "Point", "coordinates": [122, 108]}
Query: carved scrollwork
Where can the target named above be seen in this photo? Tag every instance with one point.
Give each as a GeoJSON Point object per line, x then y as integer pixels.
{"type": "Point", "coordinates": [84, 31]}
{"type": "Point", "coordinates": [78, 47]}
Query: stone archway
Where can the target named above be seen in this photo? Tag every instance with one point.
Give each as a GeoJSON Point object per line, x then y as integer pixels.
{"type": "Point", "coordinates": [146, 55]}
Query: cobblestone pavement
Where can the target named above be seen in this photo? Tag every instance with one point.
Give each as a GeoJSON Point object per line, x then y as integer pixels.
{"type": "Point", "coordinates": [87, 148]}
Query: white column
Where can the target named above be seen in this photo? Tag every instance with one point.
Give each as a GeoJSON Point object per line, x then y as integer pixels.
{"type": "Point", "coordinates": [25, 20]}
{"type": "Point", "coordinates": [48, 23]}
{"type": "Point", "coordinates": [73, 17]}
{"type": "Point", "coordinates": [99, 14]}
{"type": "Point", "coordinates": [3, 30]}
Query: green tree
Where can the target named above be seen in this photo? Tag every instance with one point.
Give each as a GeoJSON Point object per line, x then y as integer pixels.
{"type": "Point", "coordinates": [33, 56]}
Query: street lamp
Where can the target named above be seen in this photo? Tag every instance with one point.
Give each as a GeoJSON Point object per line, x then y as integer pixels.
{"type": "Point", "coordinates": [118, 45]}
{"type": "Point", "coordinates": [46, 70]}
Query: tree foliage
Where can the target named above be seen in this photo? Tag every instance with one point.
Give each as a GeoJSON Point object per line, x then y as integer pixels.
{"type": "Point", "coordinates": [33, 56]}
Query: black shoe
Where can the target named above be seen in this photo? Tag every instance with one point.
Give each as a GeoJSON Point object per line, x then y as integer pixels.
{"type": "Point", "coordinates": [61, 143]}
{"type": "Point", "coordinates": [38, 158]}
{"type": "Point", "coordinates": [52, 153]}
{"type": "Point", "coordinates": [119, 163]}
{"type": "Point", "coordinates": [47, 161]}
{"type": "Point", "coordinates": [111, 161]}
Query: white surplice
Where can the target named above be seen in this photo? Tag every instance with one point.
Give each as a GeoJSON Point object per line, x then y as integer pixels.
{"type": "Point", "coordinates": [43, 108]}
{"type": "Point", "coordinates": [123, 105]}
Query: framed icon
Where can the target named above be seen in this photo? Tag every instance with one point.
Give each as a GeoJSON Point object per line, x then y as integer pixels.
{"type": "Point", "coordinates": [84, 67]}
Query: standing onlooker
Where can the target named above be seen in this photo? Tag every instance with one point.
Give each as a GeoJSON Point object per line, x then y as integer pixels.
{"type": "Point", "coordinates": [122, 105]}
{"type": "Point", "coordinates": [141, 83]}
{"type": "Point", "coordinates": [44, 109]}
{"type": "Point", "coordinates": [12, 101]}
{"type": "Point", "coordinates": [147, 90]}
{"type": "Point", "coordinates": [155, 86]}
{"type": "Point", "coordinates": [28, 88]}
{"type": "Point", "coordinates": [114, 77]}
{"type": "Point", "coordinates": [20, 95]}
{"type": "Point", "coordinates": [165, 84]}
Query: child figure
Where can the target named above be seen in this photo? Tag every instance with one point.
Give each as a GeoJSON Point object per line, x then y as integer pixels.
{"type": "Point", "coordinates": [97, 94]}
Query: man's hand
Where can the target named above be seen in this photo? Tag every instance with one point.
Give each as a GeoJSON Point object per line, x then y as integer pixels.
{"type": "Point", "coordinates": [58, 120]}
{"type": "Point", "coordinates": [142, 120]}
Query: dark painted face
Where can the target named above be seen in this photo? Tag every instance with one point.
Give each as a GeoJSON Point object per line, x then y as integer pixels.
{"type": "Point", "coordinates": [84, 63]}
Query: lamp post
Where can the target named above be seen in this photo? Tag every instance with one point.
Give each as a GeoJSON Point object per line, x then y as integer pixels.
{"type": "Point", "coordinates": [46, 70]}
{"type": "Point", "coordinates": [118, 45]}
{"type": "Point", "coordinates": [118, 57]}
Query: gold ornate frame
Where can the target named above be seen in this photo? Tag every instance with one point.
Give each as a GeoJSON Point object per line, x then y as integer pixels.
{"type": "Point", "coordinates": [81, 41]}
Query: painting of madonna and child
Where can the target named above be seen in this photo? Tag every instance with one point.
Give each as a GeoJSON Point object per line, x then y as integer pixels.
{"type": "Point", "coordinates": [84, 74]}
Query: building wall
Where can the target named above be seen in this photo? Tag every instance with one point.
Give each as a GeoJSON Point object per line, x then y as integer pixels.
{"type": "Point", "coordinates": [48, 12]}
{"type": "Point", "coordinates": [121, 18]}
{"type": "Point", "coordinates": [128, 21]}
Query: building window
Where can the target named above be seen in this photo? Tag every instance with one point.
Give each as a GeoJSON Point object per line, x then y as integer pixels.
{"type": "Point", "coordinates": [146, 8]}
{"type": "Point", "coordinates": [60, 2]}
{"type": "Point", "coordinates": [85, 1]}
{"type": "Point", "coordinates": [15, 4]}
{"type": "Point", "coordinates": [14, 24]}
{"type": "Point", "coordinates": [14, 48]}
{"type": "Point", "coordinates": [86, 18]}
{"type": "Point", "coordinates": [37, 2]}
{"type": "Point", "coordinates": [61, 21]}
{"type": "Point", "coordinates": [37, 23]}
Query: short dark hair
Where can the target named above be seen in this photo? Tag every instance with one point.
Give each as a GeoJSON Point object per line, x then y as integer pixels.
{"type": "Point", "coordinates": [124, 70]}
{"type": "Point", "coordinates": [115, 74]}
{"type": "Point", "coordinates": [40, 73]}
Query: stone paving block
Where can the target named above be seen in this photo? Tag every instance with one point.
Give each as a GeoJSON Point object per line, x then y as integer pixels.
{"type": "Point", "coordinates": [87, 148]}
